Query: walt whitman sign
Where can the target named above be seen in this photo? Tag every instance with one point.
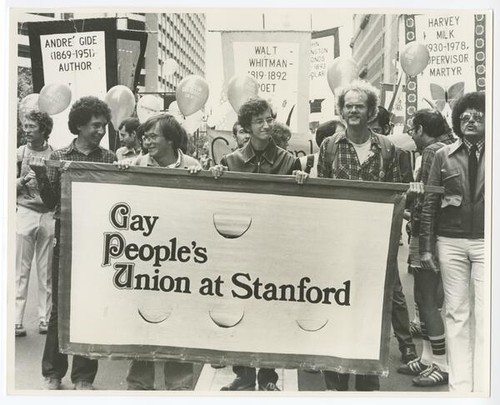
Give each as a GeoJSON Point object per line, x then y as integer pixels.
{"type": "Point", "coordinates": [246, 269]}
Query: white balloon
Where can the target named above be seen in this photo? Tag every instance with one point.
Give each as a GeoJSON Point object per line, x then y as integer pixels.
{"type": "Point", "coordinates": [147, 106]}
{"type": "Point", "coordinates": [193, 122]}
{"type": "Point", "coordinates": [173, 109]}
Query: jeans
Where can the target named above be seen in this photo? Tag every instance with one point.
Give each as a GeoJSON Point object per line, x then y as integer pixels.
{"type": "Point", "coordinates": [54, 363]}
{"type": "Point", "coordinates": [34, 239]}
{"type": "Point", "coordinates": [178, 376]}
{"type": "Point", "coordinates": [264, 376]}
{"type": "Point", "coordinates": [339, 382]}
{"type": "Point", "coordinates": [400, 318]}
{"type": "Point", "coordinates": [462, 269]}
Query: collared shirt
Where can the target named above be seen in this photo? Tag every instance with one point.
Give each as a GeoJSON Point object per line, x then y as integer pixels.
{"type": "Point", "coordinates": [51, 191]}
{"type": "Point", "coordinates": [479, 146]}
{"type": "Point", "coordinates": [126, 153]}
{"type": "Point", "coordinates": [347, 163]}
{"type": "Point", "coordinates": [183, 161]}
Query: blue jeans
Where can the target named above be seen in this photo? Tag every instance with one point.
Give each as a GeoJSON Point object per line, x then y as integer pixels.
{"type": "Point", "coordinates": [339, 382]}
{"type": "Point", "coordinates": [54, 363]}
{"type": "Point", "coordinates": [178, 376]}
{"type": "Point", "coordinates": [264, 377]}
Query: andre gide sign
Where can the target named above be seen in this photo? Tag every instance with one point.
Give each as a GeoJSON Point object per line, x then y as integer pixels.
{"type": "Point", "coordinates": [185, 266]}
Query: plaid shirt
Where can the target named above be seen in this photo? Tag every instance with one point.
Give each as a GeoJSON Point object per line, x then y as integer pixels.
{"type": "Point", "coordinates": [423, 175]}
{"type": "Point", "coordinates": [348, 166]}
{"type": "Point", "coordinates": [50, 187]}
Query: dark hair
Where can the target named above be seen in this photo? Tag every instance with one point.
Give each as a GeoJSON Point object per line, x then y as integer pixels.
{"type": "Point", "coordinates": [84, 109]}
{"type": "Point", "coordinates": [475, 100]}
{"type": "Point", "coordinates": [383, 116]}
{"type": "Point", "coordinates": [235, 128]}
{"type": "Point", "coordinates": [130, 124]}
{"type": "Point", "coordinates": [170, 129]}
{"type": "Point", "coordinates": [281, 134]}
{"type": "Point", "coordinates": [432, 121]}
{"type": "Point", "coordinates": [252, 108]}
{"type": "Point", "coordinates": [360, 86]}
{"type": "Point", "coordinates": [139, 132]}
{"type": "Point", "coordinates": [44, 121]}
{"type": "Point", "coordinates": [327, 129]}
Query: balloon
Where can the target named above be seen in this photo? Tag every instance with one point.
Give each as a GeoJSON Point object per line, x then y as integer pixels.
{"type": "Point", "coordinates": [342, 72]}
{"type": "Point", "coordinates": [414, 58]}
{"type": "Point", "coordinates": [147, 106]}
{"type": "Point", "coordinates": [121, 101]}
{"type": "Point", "coordinates": [193, 122]}
{"type": "Point", "coordinates": [191, 94]}
{"type": "Point", "coordinates": [171, 66]}
{"type": "Point", "coordinates": [54, 98]}
{"type": "Point", "coordinates": [240, 89]}
{"type": "Point", "coordinates": [27, 104]}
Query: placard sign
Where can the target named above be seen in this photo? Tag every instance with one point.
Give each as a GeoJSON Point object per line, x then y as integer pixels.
{"type": "Point", "coordinates": [247, 269]}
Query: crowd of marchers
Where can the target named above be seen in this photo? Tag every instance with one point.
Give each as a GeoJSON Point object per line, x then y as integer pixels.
{"type": "Point", "coordinates": [445, 230]}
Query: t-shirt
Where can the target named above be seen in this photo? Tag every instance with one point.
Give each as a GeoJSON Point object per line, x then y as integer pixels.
{"type": "Point", "coordinates": [362, 150]}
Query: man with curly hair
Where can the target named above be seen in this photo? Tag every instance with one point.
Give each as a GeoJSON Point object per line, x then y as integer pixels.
{"type": "Point", "coordinates": [87, 119]}
{"type": "Point", "coordinates": [456, 219]}
{"type": "Point", "coordinates": [34, 223]}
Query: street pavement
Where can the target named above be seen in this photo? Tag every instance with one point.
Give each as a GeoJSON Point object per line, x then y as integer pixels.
{"type": "Point", "coordinates": [112, 373]}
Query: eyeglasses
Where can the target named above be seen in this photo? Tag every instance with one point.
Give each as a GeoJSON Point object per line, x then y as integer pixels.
{"type": "Point", "coordinates": [410, 131]}
{"type": "Point", "coordinates": [377, 130]}
{"type": "Point", "coordinates": [261, 121]}
{"type": "Point", "coordinates": [475, 116]}
{"type": "Point", "coordinates": [150, 137]}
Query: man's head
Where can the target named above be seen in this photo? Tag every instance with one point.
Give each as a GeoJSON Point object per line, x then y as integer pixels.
{"type": "Point", "coordinates": [37, 127]}
{"type": "Point", "coordinates": [240, 135]}
{"type": "Point", "coordinates": [382, 123]}
{"type": "Point", "coordinates": [327, 129]}
{"type": "Point", "coordinates": [163, 133]}
{"type": "Point", "coordinates": [128, 132]}
{"type": "Point", "coordinates": [281, 135]}
{"type": "Point", "coordinates": [88, 118]}
{"type": "Point", "coordinates": [467, 116]}
{"type": "Point", "coordinates": [426, 126]}
{"type": "Point", "coordinates": [357, 103]}
{"type": "Point", "coordinates": [257, 118]}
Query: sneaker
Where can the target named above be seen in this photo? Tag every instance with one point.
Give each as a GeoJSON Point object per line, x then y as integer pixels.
{"type": "Point", "coordinates": [431, 377]}
{"type": "Point", "coordinates": [20, 330]}
{"type": "Point", "coordinates": [239, 384]}
{"type": "Point", "coordinates": [268, 387]}
{"type": "Point", "coordinates": [42, 328]}
{"type": "Point", "coordinates": [84, 385]}
{"type": "Point", "coordinates": [415, 330]}
{"type": "Point", "coordinates": [52, 383]}
{"type": "Point", "coordinates": [413, 367]}
{"type": "Point", "coordinates": [408, 354]}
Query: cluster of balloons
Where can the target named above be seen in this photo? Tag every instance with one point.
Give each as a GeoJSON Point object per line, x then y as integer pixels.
{"type": "Point", "coordinates": [52, 99]}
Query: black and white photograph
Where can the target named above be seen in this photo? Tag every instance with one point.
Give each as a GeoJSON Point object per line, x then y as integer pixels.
{"type": "Point", "coordinates": [247, 202]}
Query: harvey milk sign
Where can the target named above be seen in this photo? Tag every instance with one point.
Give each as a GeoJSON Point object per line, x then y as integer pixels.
{"type": "Point", "coordinates": [246, 269]}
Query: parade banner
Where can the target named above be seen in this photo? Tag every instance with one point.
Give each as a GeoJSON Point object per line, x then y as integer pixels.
{"type": "Point", "coordinates": [324, 49]}
{"type": "Point", "coordinates": [457, 65]}
{"type": "Point", "coordinates": [247, 269]}
{"type": "Point", "coordinates": [278, 60]}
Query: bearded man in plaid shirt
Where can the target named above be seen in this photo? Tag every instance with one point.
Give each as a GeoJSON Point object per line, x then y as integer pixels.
{"type": "Point", "coordinates": [357, 153]}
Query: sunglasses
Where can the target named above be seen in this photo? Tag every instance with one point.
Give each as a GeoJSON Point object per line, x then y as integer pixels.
{"type": "Point", "coordinates": [475, 116]}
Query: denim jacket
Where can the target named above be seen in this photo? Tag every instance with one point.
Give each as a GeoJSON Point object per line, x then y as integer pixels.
{"type": "Point", "coordinates": [456, 213]}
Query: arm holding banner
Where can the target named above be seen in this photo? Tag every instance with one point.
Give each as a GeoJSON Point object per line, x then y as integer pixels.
{"type": "Point", "coordinates": [48, 180]}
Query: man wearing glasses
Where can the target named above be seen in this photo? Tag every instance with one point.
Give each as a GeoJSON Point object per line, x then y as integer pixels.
{"type": "Point", "coordinates": [456, 219]}
{"type": "Point", "coordinates": [259, 155]}
{"type": "Point", "coordinates": [357, 153]}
